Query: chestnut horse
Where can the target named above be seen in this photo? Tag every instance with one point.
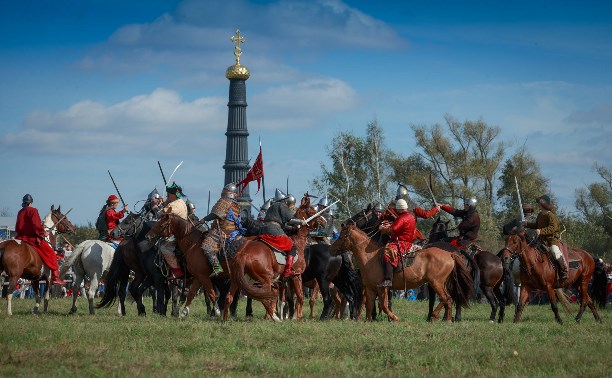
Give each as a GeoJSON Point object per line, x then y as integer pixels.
{"type": "Point", "coordinates": [445, 272]}
{"type": "Point", "coordinates": [538, 272]}
{"type": "Point", "coordinates": [20, 260]}
{"type": "Point", "coordinates": [256, 259]}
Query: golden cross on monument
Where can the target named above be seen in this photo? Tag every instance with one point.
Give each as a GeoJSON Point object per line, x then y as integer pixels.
{"type": "Point", "coordinates": [238, 39]}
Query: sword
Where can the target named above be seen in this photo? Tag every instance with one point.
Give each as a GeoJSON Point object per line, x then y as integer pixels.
{"type": "Point", "coordinates": [320, 212]}
{"type": "Point", "coordinates": [162, 172]}
{"type": "Point", "coordinates": [433, 198]}
{"type": "Point", "coordinates": [173, 172]}
{"type": "Point", "coordinates": [117, 189]}
{"type": "Point", "coordinates": [520, 203]}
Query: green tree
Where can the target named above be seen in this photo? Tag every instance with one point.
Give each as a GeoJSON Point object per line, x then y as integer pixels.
{"type": "Point", "coordinates": [82, 233]}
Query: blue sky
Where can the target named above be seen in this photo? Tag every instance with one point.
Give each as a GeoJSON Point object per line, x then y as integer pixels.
{"type": "Point", "coordinates": [91, 86]}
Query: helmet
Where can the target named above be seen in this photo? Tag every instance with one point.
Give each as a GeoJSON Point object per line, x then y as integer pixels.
{"type": "Point", "coordinates": [27, 199]}
{"type": "Point", "coordinates": [266, 205]}
{"type": "Point", "coordinates": [379, 207]}
{"type": "Point", "coordinates": [401, 204]}
{"type": "Point", "coordinates": [324, 201]}
{"type": "Point", "coordinates": [279, 195]}
{"type": "Point", "coordinates": [190, 205]}
{"type": "Point", "coordinates": [402, 191]}
{"type": "Point", "coordinates": [262, 214]}
{"type": "Point", "coordinates": [154, 194]}
{"type": "Point", "coordinates": [112, 198]}
{"type": "Point", "coordinates": [290, 200]}
{"type": "Point", "coordinates": [471, 202]}
{"type": "Point", "coordinates": [229, 190]}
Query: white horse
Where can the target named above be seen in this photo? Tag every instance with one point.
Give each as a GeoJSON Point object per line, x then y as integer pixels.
{"type": "Point", "coordinates": [91, 258]}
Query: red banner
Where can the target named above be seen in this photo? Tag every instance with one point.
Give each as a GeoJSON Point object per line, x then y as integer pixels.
{"type": "Point", "coordinates": [255, 173]}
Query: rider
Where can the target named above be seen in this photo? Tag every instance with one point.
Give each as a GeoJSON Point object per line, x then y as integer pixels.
{"type": "Point", "coordinates": [402, 234]}
{"type": "Point", "coordinates": [325, 222]}
{"type": "Point", "coordinates": [470, 223]}
{"type": "Point", "coordinates": [112, 217]}
{"type": "Point", "coordinates": [418, 212]}
{"type": "Point", "coordinates": [277, 217]}
{"type": "Point", "coordinates": [153, 205]}
{"type": "Point", "coordinates": [548, 230]}
{"type": "Point", "coordinates": [224, 214]}
{"type": "Point", "coordinates": [30, 230]}
{"type": "Point", "coordinates": [174, 205]}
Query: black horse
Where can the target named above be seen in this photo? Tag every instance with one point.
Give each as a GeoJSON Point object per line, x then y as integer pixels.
{"type": "Point", "coordinates": [490, 273]}
{"type": "Point", "coordinates": [138, 255]}
{"type": "Point", "coordinates": [323, 268]}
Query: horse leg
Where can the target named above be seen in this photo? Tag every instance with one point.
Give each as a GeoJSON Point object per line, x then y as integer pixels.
{"type": "Point", "coordinates": [445, 301]}
{"type": "Point", "coordinates": [523, 298]}
{"type": "Point", "coordinates": [488, 293]}
{"type": "Point", "coordinates": [313, 298]}
{"type": "Point", "coordinates": [370, 295]}
{"type": "Point", "coordinates": [327, 300]}
{"type": "Point", "coordinates": [91, 293]}
{"type": "Point", "coordinates": [122, 293]}
{"type": "Point", "coordinates": [383, 301]}
{"type": "Point", "coordinates": [76, 287]}
{"type": "Point", "coordinates": [432, 301]}
{"type": "Point", "coordinates": [36, 287]}
{"type": "Point", "coordinates": [299, 297]}
{"type": "Point", "coordinates": [137, 292]}
{"type": "Point", "coordinates": [13, 278]}
{"type": "Point", "coordinates": [585, 299]}
{"type": "Point", "coordinates": [47, 294]}
{"type": "Point", "coordinates": [193, 290]}
{"type": "Point", "coordinates": [501, 301]}
{"type": "Point", "coordinates": [553, 303]}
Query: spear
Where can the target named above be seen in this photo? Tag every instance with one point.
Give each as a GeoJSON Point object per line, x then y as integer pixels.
{"type": "Point", "coordinates": [518, 194]}
{"type": "Point", "coordinates": [162, 172]}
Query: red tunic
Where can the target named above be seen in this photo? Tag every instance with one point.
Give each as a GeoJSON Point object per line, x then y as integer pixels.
{"type": "Point", "coordinates": [112, 217]}
{"type": "Point", "coordinates": [402, 235]}
{"type": "Point", "coordinates": [30, 230]}
{"type": "Point", "coordinates": [425, 214]}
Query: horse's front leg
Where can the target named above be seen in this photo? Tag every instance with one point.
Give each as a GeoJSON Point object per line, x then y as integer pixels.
{"type": "Point", "coordinates": [36, 287]}
{"type": "Point", "coordinates": [193, 289]}
{"type": "Point", "coordinates": [46, 294]}
{"type": "Point", "coordinates": [553, 303]}
{"type": "Point", "coordinates": [523, 298]}
{"type": "Point", "coordinates": [383, 300]}
{"type": "Point", "coordinates": [299, 293]}
{"type": "Point", "coordinates": [91, 293]}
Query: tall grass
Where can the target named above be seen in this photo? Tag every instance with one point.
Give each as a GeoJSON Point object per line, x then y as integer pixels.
{"type": "Point", "coordinates": [58, 344]}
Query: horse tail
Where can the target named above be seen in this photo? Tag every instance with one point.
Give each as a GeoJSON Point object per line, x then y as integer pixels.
{"type": "Point", "coordinates": [508, 294]}
{"type": "Point", "coordinates": [118, 272]}
{"type": "Point", "coordinates": [562, 297]}
{"type": "Point", "coordinates": [251, 290]}
{"type": "Point", "coordinates": [460, 284]}
{"type": "Point", "coordinates": [70, 261]}
{"type": "Point", "coordinates": [599, 285]}
{"type": "Point", "coordinates": [475, 269]}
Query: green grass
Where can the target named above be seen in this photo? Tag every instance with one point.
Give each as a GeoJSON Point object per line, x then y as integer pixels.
{"type": "Point", "coordinates": [56, 344]}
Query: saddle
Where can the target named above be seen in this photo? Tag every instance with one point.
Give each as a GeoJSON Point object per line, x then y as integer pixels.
{"type": "Point", "coordinates": [229, 248]}
{"type": "Point", "coordinates": [281, 256]}
{"type": "Point", "coordinates": [571, 258]}
{"type": "Point", "coordinates": [407, 258]}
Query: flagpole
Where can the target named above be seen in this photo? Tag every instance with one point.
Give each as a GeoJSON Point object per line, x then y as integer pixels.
{"type": "Point", "coordinates": [263, 178]}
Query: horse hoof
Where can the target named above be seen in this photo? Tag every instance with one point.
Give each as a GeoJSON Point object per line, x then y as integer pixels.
{"type": "Point", "coordinates": [185, 312]}
{"type": "Point", "coordinates": [276, 318]}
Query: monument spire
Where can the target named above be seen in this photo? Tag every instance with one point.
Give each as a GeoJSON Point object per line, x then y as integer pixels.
{"type": "Point", "coordinates": [237, 149]}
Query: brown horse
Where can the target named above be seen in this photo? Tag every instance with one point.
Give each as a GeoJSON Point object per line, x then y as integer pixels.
{"type": "Point", "coordinates": [443, 271]}
{"type": "Point", "coordinates": [257, 260]}
{"type": "Point", "coordinates": [538, 272]}
{"type": "Point", "coordinates": [20, 260]}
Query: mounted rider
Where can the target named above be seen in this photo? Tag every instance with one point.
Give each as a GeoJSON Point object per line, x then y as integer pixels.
{"type": "Point", "coordinates": [193, 218]}
{"type": "Point", "coordinates": [418, 212]}
{"type": "Point", "coordinates": [167, 246]}
{"type": "Point", "coordinates": [325, 222]}
{"type": "Point", "coordinates": [29, 229]}
{"type": "Point", "coordinates": [225, 215]}
{"type": "Point", "coordinates": [547, 227]}
{"type": "Point", "coordinates": [263, 209]}
{"type": "Point", "coordinates": [468, 227]}
{"type": "Point", "coordinates": [278, 217]}
{"type": "Point", "coordinates": [401, 232]}
{"type": "Point", "coordinates": [108, 219]}
{"type": "Point", "coordinates": [153, 206]}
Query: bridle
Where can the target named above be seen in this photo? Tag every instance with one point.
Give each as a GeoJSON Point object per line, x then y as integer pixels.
{"type": "Point", "coordinates": [60, 221]}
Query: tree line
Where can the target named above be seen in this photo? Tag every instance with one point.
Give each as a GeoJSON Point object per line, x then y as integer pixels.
{"type": "Point", "coordinates": [463, 159]}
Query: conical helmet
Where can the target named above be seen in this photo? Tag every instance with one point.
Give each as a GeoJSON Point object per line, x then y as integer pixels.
{"type": "Point", "coordinates": [279, 195]}
{"type": "Point", "coordinates": [324, 201]}
{"type": "Point", "coordinates": [266, 205]}
{"type": "Point", "coordinates": [290, 200]}
{"type": "Point", "coordinates": [153, 195]}
{"type": "Point", "coordinates": [229, 191]}
{"type": "Point", "coordinates": [402, 192]}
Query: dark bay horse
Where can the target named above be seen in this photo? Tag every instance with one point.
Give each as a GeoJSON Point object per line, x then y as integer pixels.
{"type": "Point", "coordinates": [444, 272]}
{"type": "Point", "coordinates": [138, 255]}
{"type": "Point", "coordinates": [20, 260]}
{"type": "Point", "coordinates": [491, 273]}
{"type": "Point", "coordinates": [538, 272]}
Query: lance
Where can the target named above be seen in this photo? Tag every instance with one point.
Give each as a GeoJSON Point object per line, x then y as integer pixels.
{"type": "Point", "coordinates": [117, 189]}
{"type": "Point", "coordinates": [433, 198]}
{"type": "Point", "coordinates": [68, 241]}
{"type": "Point", "coordinates": [208, 208]}
{"type": "Point", "coordinates": [59, 220]}
{"type": "Point", "coordinates": [162, 172]}
{"type": "Point", "coordinates": [520, 203]}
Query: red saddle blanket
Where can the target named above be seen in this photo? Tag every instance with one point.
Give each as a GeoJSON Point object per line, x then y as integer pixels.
{"type": "Point", "coordinates": [281, 242]}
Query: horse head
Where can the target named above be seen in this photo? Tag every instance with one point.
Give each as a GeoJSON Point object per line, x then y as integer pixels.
{"type": "Point", "coordinates": [163, 227]}
{"type": "Point", "coordinates": [343, 242]}
{"type": "Point", "coordinates": [439, 230]}
{"type": "Point", "coordinates": [62, 224]}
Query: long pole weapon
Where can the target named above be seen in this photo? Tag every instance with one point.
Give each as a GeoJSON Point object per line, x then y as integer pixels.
{"type": "Point", "coordinates": [117, 189]}
{"type": "Point", "coordinates": [59, 220]}
{"type": "Point", "coordinates": [520, 203]}
{"type": "Point", "coordinates": [162, 172]}
{"type": "Point", "coordinates": [208, 209]}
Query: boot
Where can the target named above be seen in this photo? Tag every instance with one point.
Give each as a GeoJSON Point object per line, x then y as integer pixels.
{"type": "Point", "coordinates": [214, 263]}
{"type": "Point", "coordinates": [55, 278]}
{"type": "Point", "coordinates": [387, 274]}
{"type": "Point", "coordinates": [563, 275]}
{"type": "Point", "coordinates": [177, 272]}
{"type": "Point", "coordinates": [289, 266]}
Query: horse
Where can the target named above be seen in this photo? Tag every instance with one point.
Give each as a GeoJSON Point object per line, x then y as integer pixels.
{"type": "Point", "coordinates": [138, 255]}
{"type": "Point", "coordinates": [20, 260]}
{"type": "Point", "coordinates": [445, 272]}
{"type": "Point", "coordinates": [538, 272]}
{"type": "Point", "coordinates": [189, 240]}
{"type": "Point", "coordinates": [491, 274]}
{"type": "Point", "coordinates": [256, 259]}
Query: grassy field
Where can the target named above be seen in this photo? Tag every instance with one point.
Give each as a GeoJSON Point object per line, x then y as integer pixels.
{"type": "Point", "coordinates": [56, 344]}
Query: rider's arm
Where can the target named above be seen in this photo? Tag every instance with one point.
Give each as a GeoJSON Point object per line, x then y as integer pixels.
{"type": "Point", "coordinates": [552, 227]}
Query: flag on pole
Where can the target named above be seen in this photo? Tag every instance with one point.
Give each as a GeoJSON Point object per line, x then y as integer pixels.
{"type": "Point", "coordinates": [254, 174]}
